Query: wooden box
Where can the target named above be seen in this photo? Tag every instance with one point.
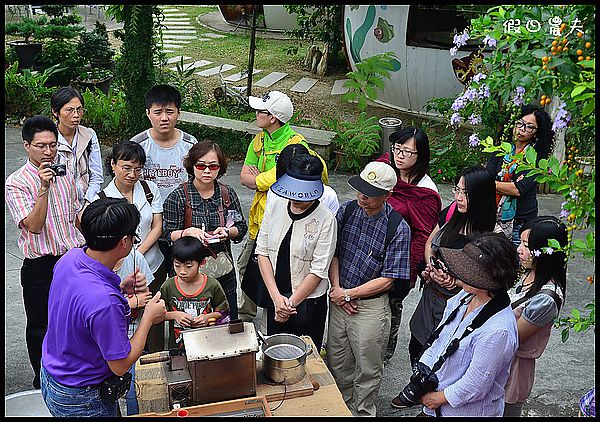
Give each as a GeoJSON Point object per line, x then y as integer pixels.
{"type": "Point", "coordinates": [248, 407]}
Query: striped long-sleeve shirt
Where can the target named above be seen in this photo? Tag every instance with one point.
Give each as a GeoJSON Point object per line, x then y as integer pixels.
{"type": "Point", "coordinates": [59, 233]}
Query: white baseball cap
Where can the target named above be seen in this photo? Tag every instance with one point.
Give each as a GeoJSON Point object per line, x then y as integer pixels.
{"type": "Point", "coordinates": [376, 179]}
{"type": "Point", "coordinates": [276, 103]}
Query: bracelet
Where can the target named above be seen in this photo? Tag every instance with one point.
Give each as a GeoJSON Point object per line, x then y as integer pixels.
{"type": "Point", "coordinates": [41, 192]}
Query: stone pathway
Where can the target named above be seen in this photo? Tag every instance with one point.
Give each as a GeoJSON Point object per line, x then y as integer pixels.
{"type": "Point", "coordinates": [180, 31]}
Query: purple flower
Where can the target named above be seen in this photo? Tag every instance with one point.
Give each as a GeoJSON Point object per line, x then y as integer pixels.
{"type": "Point", "coordinates": [455, 119]}
{"type": "Point", "coordinates": [520, 90]}
{"type": "Point", "coordinates": [549, 250]}
{"type": "Point", "coordinates": [549, 170]}
{"type": "Point", "coordinates": [453, 51]}
{"type": "Point", "coordinates": [518, 98]}
{"type": "Point", "coordinates": [564, 214]}
{"type": "Point", "coordinates": [479, 77]}
{"type": "Point", "coordinates": [489, 41]}
{"type": "Point", "coordinates": [537, 253]}
{"type": "Point", "coordinates": [475, 120]}
{"type": "Point", "coordinates": [470, 94]}
{"type": "Point", "coordinates": [484, 91]}
{"type": "Point", "coordinates": [562, 205]}
{"type": "Point", "coordinates": [473, 140]}
{"type": "Point", "coordinates": [458, 103]}
{"type": "Point", "coordinates": [562, 117]}
{"type": "Point", "coordinates": [573, 194]}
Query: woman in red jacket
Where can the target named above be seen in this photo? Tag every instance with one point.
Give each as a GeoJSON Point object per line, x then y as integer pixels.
{"type": "Point", "coordinates": [416, 198]}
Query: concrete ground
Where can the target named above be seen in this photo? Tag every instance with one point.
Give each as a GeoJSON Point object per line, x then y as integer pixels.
{"type": "Point", "coordinates": [564, 372]}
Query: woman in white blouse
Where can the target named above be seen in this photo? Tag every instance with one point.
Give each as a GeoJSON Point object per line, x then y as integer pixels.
{"type": "Point", "coordinates": [295, 247]}
{"type": "Point", "coordinates": [126, 163]}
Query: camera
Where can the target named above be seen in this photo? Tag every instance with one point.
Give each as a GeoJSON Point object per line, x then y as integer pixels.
{"type": "Point", "coordinates": [115, 387]}
{"type": "Point", "coordinates": [58, 169]}
{"type": "Point", "coordinates": [436, 263]}
{"type": "Point", "coordinates": [422, 381]}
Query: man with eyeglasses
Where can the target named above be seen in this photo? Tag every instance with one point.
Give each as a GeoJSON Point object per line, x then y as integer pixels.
{"type": "Point", "coordinates": [87, 351]}
{"type": "Point", "coordinates": [44, 207]}
{"type": "Point", "coordinates": [273, 113]}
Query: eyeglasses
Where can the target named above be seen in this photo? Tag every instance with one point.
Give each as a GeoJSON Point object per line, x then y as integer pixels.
{"type": "Point", "coordinates": [211, 167]}
{"type": "Point", "coordinates": [458, 191]}
{"type": "Point", "coordinates": [527, 127]}
{"type": "Point", "coordinates": [42, 147]}
{"type": "Point", "coordinates": [71, 110]}
{"type": "Point", "coordinates": [403, 152]}
{"type": "Point", "coordinates": [263, 112]}
{"type": "Point", "coordinates": [128, 169]}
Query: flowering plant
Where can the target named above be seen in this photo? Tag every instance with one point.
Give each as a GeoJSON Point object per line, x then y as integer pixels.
{"type": "Point", "coordinates": [523, 65]}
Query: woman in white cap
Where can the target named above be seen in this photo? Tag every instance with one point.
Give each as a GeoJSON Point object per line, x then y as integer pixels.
{"type": "Point", "coordinates": [295, 246]}
{"type": "Point", "coordinates": [466, 361]}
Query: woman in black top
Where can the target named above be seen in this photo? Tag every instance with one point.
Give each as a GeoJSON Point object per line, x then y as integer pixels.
{"type": "Point", "coordinates": [514, 191]}
{"type": "Point", "coordinates": [474, 210]}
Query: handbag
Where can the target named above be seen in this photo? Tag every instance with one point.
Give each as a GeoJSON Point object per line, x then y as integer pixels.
{"type": "Point", "coordinates": [505, 217]}
{"type": "Point", "coordinates": [219, 263]}
{"type": "Point", "coordinates": [253, 285]}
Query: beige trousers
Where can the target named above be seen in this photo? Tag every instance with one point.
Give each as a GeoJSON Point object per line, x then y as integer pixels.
{"type": "Point", "coordinates": [355, 349]}
{"type": "Point", "coordinates": [247, 309]}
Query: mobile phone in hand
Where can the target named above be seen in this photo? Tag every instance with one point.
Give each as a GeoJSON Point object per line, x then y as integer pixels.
{"type": "Point", "coordinates": [436, 263]}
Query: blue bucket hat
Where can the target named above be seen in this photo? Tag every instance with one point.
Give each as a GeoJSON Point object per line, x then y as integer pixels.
{"type": "Point", "coordinates": [298, 187]}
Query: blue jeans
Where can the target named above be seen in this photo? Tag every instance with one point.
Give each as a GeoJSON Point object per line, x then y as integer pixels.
{"type": "Point", "coordinates": [131, 398]}
{"type": "Point", "coordinates": [516, 238]}
{"type": "Point", "coordinates": [74, 401]}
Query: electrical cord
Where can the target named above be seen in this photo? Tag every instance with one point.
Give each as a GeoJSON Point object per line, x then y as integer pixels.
{"type": "Point", "coordinates": [284, 394]}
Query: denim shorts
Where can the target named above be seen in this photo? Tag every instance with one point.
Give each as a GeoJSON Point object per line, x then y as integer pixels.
{"type": "Point", "coordinates": [74, 401]}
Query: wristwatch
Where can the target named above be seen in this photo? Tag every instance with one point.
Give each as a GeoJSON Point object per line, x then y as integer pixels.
{"type": "Point", "coordinates": [347, 297]}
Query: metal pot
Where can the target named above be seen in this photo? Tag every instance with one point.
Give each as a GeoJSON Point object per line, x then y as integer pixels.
{"type": "Point", "coordinates": [284, 358]}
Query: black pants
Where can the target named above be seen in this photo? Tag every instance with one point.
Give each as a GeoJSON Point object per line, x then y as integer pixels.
{"type": "Point", "coordinates": [36, 276]}
{"type": "Point", "coordinates": [311, 323]}
{"type": "Point", "coordinates": [414, 349]}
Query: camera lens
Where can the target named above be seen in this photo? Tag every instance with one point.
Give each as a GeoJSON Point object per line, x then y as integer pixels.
{"type": "Point", "coordinates": [406, 398]}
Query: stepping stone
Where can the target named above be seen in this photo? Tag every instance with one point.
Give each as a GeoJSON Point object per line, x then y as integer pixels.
{"type": "Point", "coordinates": [202, 39]}
{"type": "Point", "coordinates": [198, 63]}
{"type": "Point", "coordinates": [179, 37]}
{"type": "Point", "coordinates": [172, 46]}
{"type": "Point", "coordinates": [240, 75]}
{"type": "Point", "coordinates": [170, 15]}
{"type": "Point", "coordinates": [215, 70]}
{"type": "Point", "coordinates": [179, 31]}
{"type": "Point", "coordinates": [338, 87]}
{"type": "Point", "coordinates": [211, 35]}
{"type": "Point", "coordinates": [177, 59]}
{"type": "Point", "coordinates": [170, 10]}
{"type": "Point", "coordinates": [303, 85]}
{"type": "Point", "coordinates": [270, 79]}
{"type": "Point", "coordinates": [170, 20]}
{"type": "Point", "coordinates": [176, 41]}
{"type": "Point", "coordinates": [168, 51]}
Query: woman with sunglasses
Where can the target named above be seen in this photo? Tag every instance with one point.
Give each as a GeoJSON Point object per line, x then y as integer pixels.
{"type": "Point", "coordinates": [536, 301]}
{"type": "Point", "coordinates": [516, 194]}
{"type": "Point", "coordinates": [214, 221]}
{"type": "Point", "coordinates": [126, 163]}
{"type": "Point", "coordinates": [474, 210]}
{"type": "Point", "coordinates": [416, 198]}
{"type": "Point", "coordinates": [78, 146]}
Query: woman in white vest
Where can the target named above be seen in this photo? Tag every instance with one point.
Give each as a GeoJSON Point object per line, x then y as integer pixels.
{"type": "Point", "coordinates": [78, 146]}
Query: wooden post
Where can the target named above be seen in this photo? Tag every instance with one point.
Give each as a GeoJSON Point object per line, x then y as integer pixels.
{"type": "Point", "coordinates": [251, 55]}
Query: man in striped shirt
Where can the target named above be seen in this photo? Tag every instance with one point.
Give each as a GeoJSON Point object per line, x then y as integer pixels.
{"type": "Point", "coordinates": [44, 207]}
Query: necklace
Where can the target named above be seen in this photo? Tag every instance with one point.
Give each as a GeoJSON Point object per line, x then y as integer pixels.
{"type": "Point", "coordinates": [524, 285]}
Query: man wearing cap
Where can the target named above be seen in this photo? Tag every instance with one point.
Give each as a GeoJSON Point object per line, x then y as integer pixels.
{"type": "Point", "coordinates": [362, 272]}
{"type": "Point", "coordinates": [273, 113]}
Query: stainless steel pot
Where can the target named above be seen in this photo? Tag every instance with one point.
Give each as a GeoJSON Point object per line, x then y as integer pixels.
{"type": "Point", "coordinates": [284, 358]}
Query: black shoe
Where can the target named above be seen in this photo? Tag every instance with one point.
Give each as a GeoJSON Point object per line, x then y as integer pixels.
{"type": "Point", "coordinates": [396, 403]}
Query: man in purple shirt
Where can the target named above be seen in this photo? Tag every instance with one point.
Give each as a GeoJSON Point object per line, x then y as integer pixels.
{"type": "Point", "coordinates": [86, 342]}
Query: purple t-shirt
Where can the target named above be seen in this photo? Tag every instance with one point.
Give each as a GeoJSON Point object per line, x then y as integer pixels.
{"type": "Point", "coordinates": [87, 321]}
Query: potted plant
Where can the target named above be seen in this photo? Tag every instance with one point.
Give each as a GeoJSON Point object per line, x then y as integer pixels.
{"type": "Point", "coordinates": [93, 78]}
{"type": "Point", "coordinates": [25, 49]}
{"type": "Point", "coordinates": [355, 143]}
{"type": "Point", "coordinates": [96, 52]}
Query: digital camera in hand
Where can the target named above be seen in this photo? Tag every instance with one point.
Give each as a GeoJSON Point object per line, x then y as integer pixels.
{"type": "Point", "coordinates": [58, 169]}
{"type": "Point", "coordinates": [422, 381]}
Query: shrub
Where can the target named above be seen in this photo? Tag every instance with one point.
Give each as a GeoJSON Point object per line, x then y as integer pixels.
{"type": "Point", "coordinates": [64, 54]}
{"type": "Point", "coordinates": [234, 144]}
{"type": "Point", "coordinates": [105, 114]}
{"type": "Point", "coordinates": [26, 93]}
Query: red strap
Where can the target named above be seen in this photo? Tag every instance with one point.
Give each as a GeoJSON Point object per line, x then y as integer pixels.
{"type": "Point", "coordinates": [450, 212]}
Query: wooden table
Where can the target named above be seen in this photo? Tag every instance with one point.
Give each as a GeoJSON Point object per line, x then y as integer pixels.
{"type": "Point", "coordinates": [315, 395]}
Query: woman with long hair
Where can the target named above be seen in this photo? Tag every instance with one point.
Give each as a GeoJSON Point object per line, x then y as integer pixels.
{"type": "Point", "coordinates": [416, 198]}
{"type": "Point", "coordinates": [536, 301]}
{"type": "Point", "coordinates": [474, 210]}
{"type": "Point", "coordinates": [515, 193]}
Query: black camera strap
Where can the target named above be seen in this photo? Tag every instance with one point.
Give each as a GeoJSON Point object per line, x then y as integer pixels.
{"type": "Point", "coordinates": [496, 304]}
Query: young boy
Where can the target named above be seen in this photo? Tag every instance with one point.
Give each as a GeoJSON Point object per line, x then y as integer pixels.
{"type": "Point", "coordinates": [192, 298]}
{"type": "Point", "coordinates": [165, 146]}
